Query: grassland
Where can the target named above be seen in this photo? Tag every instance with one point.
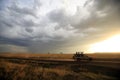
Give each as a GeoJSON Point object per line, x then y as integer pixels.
{"type": "Point", "coordinates": [14, 71]}
{"type": "Point", "coordinates": [25, 70]}
{"type": "Point", "coordinates": [61, 56]}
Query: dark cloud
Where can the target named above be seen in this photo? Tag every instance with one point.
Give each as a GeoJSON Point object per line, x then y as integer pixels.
{"type": "Point", "coordinates": [18, 42]}
{"type": "Point", "coordinates": [2, 4]}
{"type": "Point", "coordinates": [22, 11]}
{"type": "Point", "coordinates": [103, 12]}
{"type": "Point", "coordinates": [102, 4]}
{"type": "Point", "coordinates": [25, 25]}
{"type": "Point", "coordinates": [58, 16]}
{"type": "Point", "coordinates": [30, 30]}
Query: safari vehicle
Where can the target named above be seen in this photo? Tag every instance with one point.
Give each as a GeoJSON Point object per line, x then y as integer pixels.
{"type": "Point", "coordinates": [79, 56]}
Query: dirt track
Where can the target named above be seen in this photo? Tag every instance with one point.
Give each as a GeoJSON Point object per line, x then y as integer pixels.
{"type": "Point", "coordinates": [111, 64]}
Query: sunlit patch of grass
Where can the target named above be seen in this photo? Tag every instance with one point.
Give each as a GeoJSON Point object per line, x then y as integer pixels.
{"type": "Point", "coordinates": [61, 72]}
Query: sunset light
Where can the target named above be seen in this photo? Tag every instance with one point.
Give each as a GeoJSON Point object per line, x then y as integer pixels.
{"type": "Point", "coordinates": [60, 39]}
{"type": "Point", "coordinates": [110, 45]}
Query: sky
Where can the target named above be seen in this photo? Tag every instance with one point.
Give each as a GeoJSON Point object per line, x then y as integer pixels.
{"type": "Point", "coordinates": [41, 26]}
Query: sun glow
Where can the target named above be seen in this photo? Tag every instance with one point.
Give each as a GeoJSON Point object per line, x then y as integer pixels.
{"type": "Point", "coordinates": [110, 45]}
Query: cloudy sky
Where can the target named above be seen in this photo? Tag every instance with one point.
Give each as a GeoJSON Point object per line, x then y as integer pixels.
{"type": "Point", "coordinates": [43, 26]}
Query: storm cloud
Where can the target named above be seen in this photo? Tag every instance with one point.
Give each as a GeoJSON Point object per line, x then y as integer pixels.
{"type": "Point", "coordinates": [56, 26]}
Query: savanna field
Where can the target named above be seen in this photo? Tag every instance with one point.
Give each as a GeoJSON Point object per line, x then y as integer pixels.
{"type": "Point", "coordinates": [15, 69]}
{"type": "Point", "coordinates": [46, 39]}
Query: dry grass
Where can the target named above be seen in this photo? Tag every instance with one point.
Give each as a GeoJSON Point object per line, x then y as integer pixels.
{"type": "Point", "coordinates": [15, 71]}
{"type": "Point", "coordinates": [45, 55]}
{"type": "Point", "coordinates": [61, 56]}
{"type": "Point", "coordinates": [105, 55]}
{"type": "Point", "coordinates": [27, 71]}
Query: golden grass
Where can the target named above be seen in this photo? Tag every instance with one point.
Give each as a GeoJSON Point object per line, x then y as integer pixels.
{"type": "Point", "coordinates": [105, 55]}
{"type": "Point", "coordinates": [59, 56]}
{"type": "Point", "coordinates": [14, 71]}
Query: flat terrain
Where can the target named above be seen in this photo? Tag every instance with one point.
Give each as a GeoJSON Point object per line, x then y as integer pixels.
{"type": "Point", "coordinates": [56, 55]}
{"type": "Point", "coordinates": [104, 66]}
